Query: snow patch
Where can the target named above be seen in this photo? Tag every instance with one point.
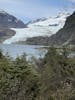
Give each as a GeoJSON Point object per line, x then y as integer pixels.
{"type": "Point", "coordinates": [46, 27]}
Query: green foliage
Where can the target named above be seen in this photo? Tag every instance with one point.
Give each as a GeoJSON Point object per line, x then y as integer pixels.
{"type": "Point", "coordinates": [58, 74]}
{"type": "Point", "coordinates": [1, 53]}
{"type": "Point", "coordinates": [54, 79]}
{"type": "Point", "coordinates": [18, 80]}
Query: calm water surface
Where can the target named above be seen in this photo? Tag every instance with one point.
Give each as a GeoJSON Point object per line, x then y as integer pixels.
{"type": "Point", "coordinates": [17, 50]}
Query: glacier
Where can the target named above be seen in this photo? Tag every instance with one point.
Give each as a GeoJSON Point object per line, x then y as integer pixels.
{"type": "Point", "coordinates": [46, 27]}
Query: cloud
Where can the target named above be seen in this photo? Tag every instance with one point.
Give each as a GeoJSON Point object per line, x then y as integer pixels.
{"type": "Point", "coordinates": [71, 0]}
{"type": "Point", "coordinates": [30, 9]}
{"type": "Point", "coordinates": [27, 8]}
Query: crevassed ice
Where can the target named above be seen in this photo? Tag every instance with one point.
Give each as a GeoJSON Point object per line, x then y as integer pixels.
{"type": "Point", "coordinates": [42, 28]}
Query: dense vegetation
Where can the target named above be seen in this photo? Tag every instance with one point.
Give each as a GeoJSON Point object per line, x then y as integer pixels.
{"type": "Point", "coordinates": [18, 79]}
{"type": "Point", "coordinates": [53, 79]}
{"type": "Point", "coordinates": [58, 75]}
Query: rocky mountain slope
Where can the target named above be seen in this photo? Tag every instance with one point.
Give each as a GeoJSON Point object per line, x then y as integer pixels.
{"type": "Point", "coordinates": [6, 33]}
{"type": "Point", "coordinates": [43, 27]}
{"type": "Point", "coordinates": [7, 22]}
{"type": "Point", "coordinates": [65, 35]}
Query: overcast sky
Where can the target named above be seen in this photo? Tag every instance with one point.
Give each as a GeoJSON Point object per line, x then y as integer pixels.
{"type": "Point", "coordinates": [32, 9]}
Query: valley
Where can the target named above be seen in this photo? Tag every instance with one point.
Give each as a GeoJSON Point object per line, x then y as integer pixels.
{"type": "Point", "coordinates": [38, 28]}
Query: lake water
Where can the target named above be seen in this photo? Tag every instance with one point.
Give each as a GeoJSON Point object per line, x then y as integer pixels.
{"type": "Point", "coordinates": [15, 50]}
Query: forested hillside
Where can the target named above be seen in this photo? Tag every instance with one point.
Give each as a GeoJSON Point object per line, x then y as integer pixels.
{"type": "Point", "coordinates": [53, 79]}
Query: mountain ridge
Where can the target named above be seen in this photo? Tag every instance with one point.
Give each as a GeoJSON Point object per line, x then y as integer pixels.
{"type": "Point", "coordinates": [39, 28]}
{"type": "Point", "coordinates": [65, 36]}
{"type": "Point", "coordinates": [8, 21]}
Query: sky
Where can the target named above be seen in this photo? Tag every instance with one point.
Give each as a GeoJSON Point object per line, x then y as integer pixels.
{"type": "Point", "coordinates": [32, 9]}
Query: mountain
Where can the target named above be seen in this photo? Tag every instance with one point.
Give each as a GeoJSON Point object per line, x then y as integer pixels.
{"type": "Point", "coordinates": [43, 27]}
{"type": "Point", "coordinates": [7, 22]}
{"type": "Point", "coordinates": [37, 20]}
{"type": "Point", "coordinates": [6, 33]}
{"type": "Point", "coordinates": [65, 36]}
